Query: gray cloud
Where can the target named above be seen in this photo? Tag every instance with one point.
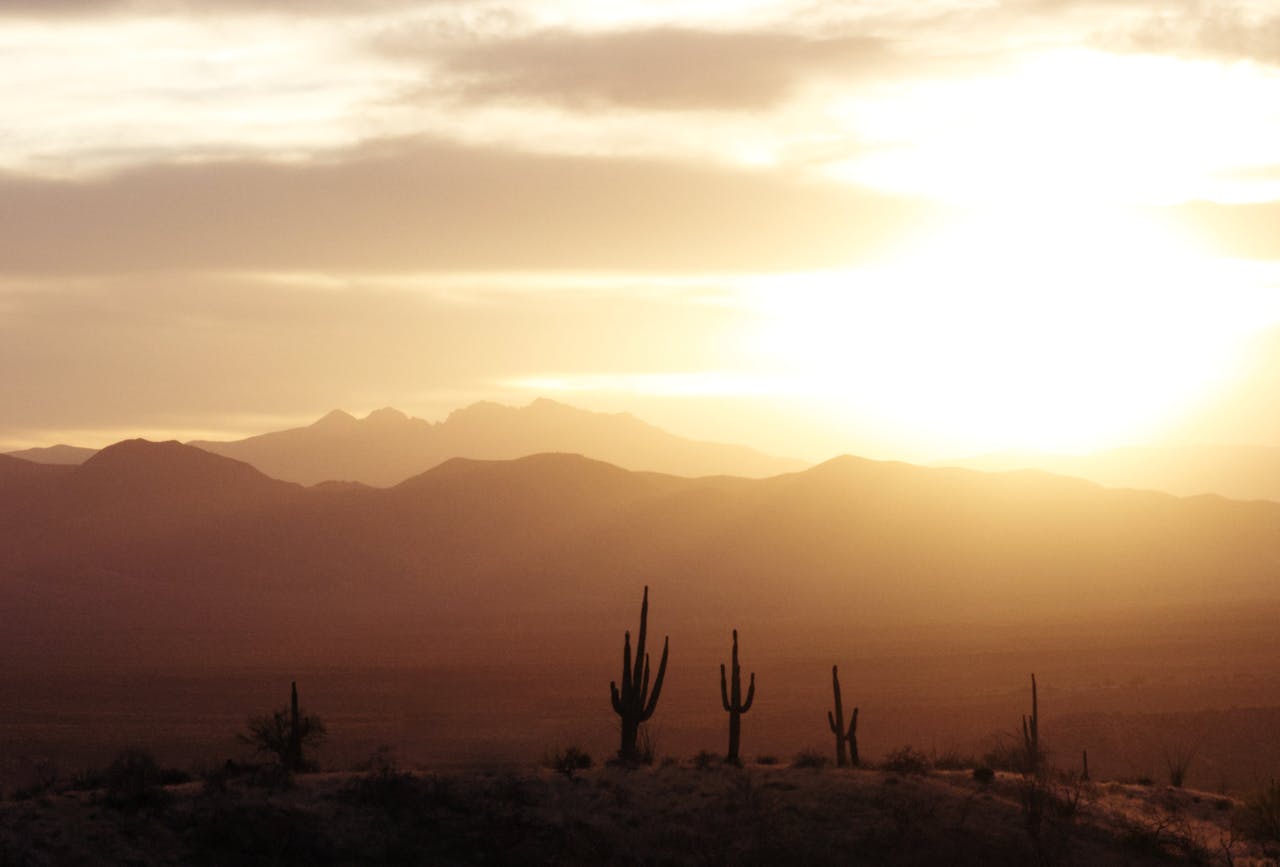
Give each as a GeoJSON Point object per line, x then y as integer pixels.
{"type": "Point", "coordinates": [659, 68]}
{"type": "Point", "coordinates": [428, 205]}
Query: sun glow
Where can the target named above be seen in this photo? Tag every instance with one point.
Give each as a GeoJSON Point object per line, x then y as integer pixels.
{"type": "Point", "coordinates": [1065, 329]}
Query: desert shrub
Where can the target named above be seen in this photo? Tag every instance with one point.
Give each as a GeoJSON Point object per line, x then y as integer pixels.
{"type": "Point", "coordinates": [1008, 753]}
{"type": "Point", "coordinates": [1178, 761]}
{"type": "Point", "coordinates": [984, 775]}
{"type": "Point", "coordinates": [272, 734]}
{"type": "Point", "coordinates": [952, 760]}
{"type": "Point", "coordinates": [1260, 819]}
{"type": "Point", "coordinates": [705, 759]}
{"type": "Point", "coordinates": [133, 780]}
{"type": "Point", "coordinates": [568, 761]}
{"type": "Point", "coordinates": [906, 760]}
{"type": "Point", "coordinates": [810, 759]}
{"type": "Point", "coordinates": [766, 760]}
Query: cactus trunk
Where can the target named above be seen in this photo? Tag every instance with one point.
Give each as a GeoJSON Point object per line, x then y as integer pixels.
{"type": "Point", "coordinates": [1031, 731]}
{"type": "Point", "coordinates": [632, 701]}
{"type": "Point", "coordinates": [846, 739]}
{"type": "Point", "coordinates": [293, 750]}
{"type": "Point", "coordinates": [731, 698]}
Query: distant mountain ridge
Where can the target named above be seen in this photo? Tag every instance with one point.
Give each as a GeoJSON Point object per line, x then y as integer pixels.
{"type": "Point", "coordinates": [60, 454]}
{"type": "Point", "coordinates": [150, 534]}
{"type": "Point", "coordinates": [387, 446]}
{"type": "Point", "coordinates": [1236, 472]}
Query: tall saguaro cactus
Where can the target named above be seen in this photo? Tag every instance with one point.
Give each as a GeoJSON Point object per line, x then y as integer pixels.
{"type": "Point", "coordinates": [844, 737]}
{"type": "Point", "coordinates": [632, 701]}
{"type": "Point", "coordinates": [731, 698]}
{"type": "Point", "coordinates": [1031, 731]}
{"type": "Point", "coordinates": [293, 746]}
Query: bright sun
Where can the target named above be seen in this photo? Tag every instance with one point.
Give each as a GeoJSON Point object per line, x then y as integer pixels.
{"type": "Point", "coordinates": [1066, 329]}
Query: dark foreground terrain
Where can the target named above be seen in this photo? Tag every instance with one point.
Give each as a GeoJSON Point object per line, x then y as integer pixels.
{"type": "Point", "coordinates": [693, 812]}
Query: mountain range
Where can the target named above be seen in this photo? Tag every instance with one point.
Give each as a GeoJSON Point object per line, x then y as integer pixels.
{"type": "Point", "coordinates": [173, 542]}
{"type": "Point", "coordinates": [387, 446]}
{"type": "Point", "coordinates": [1238, 472]}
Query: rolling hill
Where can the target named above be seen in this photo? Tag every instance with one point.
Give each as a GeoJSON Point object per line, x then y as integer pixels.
{"type": "Point", "coordinates": [161, 536]}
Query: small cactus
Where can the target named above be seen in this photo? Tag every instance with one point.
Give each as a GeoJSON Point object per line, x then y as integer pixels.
{"type": "Point", "coordinates": [731, 698]}
{"type": "Point", "coordinates": [846, 739]}
{"type": "Point", "coordinates": [632, 701]}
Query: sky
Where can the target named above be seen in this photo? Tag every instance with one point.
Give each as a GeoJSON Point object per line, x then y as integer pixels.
{"type": "Point", "coordinates": [903, 230]}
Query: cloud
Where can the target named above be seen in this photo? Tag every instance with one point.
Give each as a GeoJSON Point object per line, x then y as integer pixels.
{"type": "Point", "coordinates": [414, 205]}
{"type": "Point", "coordinates": [1223, 32]}
{"type": "Point", "coordinates": [666, 68]}
{"type": "Point", "coordinates": [72, 9]}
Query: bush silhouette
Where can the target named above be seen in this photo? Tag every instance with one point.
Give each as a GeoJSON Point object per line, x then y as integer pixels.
{"type": "Point", "coordinates": [286, 734]}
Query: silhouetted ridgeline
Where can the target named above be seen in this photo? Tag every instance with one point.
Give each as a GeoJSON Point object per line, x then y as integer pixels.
{"type": "Point", "coordinates": [163, 538]}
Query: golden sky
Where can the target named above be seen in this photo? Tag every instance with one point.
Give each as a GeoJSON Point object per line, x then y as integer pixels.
{"type": "Point", "coordinates": [910, 230]}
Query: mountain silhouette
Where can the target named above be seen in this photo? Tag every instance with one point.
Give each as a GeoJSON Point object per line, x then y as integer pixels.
{"type": "Point", "coordinates": [58, 454]}
{"type": "Point", "coordinates": [471, 555]}
{"type": "Point", "coordinates": [1238, 472]}
{"type": "Point", "coordinates": [387, 446]}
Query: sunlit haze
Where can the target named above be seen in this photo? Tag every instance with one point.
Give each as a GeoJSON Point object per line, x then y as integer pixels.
{"type": "Point", "coordinates": [911, 231]}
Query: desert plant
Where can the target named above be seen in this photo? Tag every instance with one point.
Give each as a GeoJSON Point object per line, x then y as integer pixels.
{"type": "Point", "coordinates": [846, 739]}
{"type": "Point", "coordinates": [1260, 819]}
{"type": "Point", "coordinates": [984, 775]}
{"type": "Point", "coordinates": [1031, 732]}
{"type": "Point", "coordinates": [810, 759]}
{"type": "Point", "coordinates": [704, 759]}
{"type": "Point", "coordinates": [1178, 761]}
{"type": "Point", "coordinates": [569, 761]}
{"type": "Point", "coordinates": [633, 702]}
{"type": "Point", "coordinates": [734, 705]}
{"type": "Point", "coordinates": [906, 760]}
{"type": "Point", "coordinates": [286, 734]}
{"type": "Point", "coordinates": [133, 779]}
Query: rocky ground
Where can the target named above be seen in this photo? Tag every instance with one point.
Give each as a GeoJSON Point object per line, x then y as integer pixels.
{"type": "Point", "coordinates": [678, 813]}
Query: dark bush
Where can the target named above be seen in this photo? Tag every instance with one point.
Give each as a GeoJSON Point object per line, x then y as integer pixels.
{"type": "Point", "coordinates": [984, 775]}
{"type": "Point", "coordinates": [705, 759]}
{"type": "Point", "coordinates": [133, 780]}
{"type": "Point", "coordinates": [810, 759]}
{"type": "Point", "coordinates": [569, 761]}
{"type": "Point", "coordinates": [906, 761]}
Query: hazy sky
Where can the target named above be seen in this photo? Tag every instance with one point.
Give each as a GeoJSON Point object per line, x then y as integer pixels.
{"type": "Point", "coordinates": [908, 230]}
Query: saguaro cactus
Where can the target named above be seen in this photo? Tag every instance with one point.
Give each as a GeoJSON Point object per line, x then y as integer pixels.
{"type": "Point", "coordinates": [844, 737]}
{"type": "Point", "coordinates": [1031, 731]}
{"type": "Point", "coordinates": [633, 701]}
{"type": "Point", "coordinates": [731, 698]}
{"type": "Point", "coordinates": [293, 747]}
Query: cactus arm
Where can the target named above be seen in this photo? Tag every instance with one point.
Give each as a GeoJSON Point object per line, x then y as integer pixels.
{"type": "Point", "coordinates": [641, 658]}
{"type": "Point", "coordinates": [853, 724]}
{"type": "Point", "coordinates": [751, 695]}
{"type": "Point", "coordinates": [831, 721]}
{"type": "Point", "coordinates": [724, 690]}
{"type": "Point", "coordinates": [657, 683]}
{"type": "Point", "coordinates": [615, 698]}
